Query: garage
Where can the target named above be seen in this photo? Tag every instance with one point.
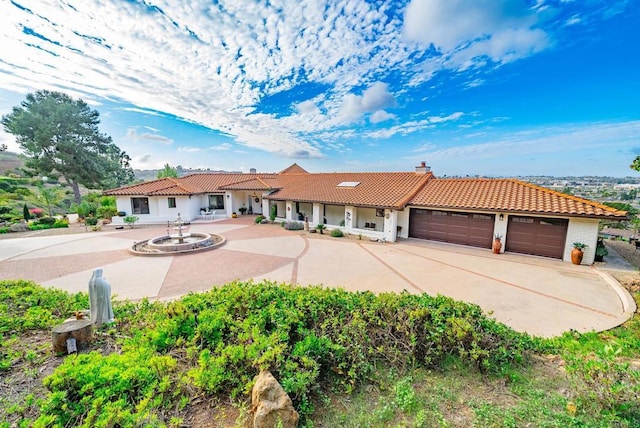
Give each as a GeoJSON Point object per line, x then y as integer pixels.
{"type": "Point", "coordinates": [537, 236]}
{"type": "Point", "coordinates": [456, 227]}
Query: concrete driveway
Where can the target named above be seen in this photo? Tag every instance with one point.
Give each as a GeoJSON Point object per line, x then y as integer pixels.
{"type": "Point", "coordinates": [540, 296]}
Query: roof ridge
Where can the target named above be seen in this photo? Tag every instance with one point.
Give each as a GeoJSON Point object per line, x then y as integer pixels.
{"type": "Point", "coordinates": [268, 186]}
{"type": "Point", "coordinates": [572, 197]}
{"type": "Point", "coordinates": [413, 192]}
{"type": "Point", "coordinates": [184, 186]}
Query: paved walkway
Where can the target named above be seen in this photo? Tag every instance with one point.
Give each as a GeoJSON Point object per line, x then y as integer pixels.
{"type": "Point", "coordinates": [541, 296]}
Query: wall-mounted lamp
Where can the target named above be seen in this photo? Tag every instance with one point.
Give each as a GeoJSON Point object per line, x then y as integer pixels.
{"type": "Point", "coordinates": [501, 217]}
{"type": "Point", "coordinates": [228, 196]}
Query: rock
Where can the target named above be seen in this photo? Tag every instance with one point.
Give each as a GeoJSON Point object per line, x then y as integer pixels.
{"type": "Point", "coordinates": [19, 227]}
{"type": "Point", "coordinates": [271, 406]}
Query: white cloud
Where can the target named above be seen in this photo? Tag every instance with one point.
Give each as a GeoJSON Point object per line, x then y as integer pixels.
{"type": "Point", "coordinates": [221, 147]}
{"type": "Point", "coordinates": [410, 127]}
{"type": "Point", "coordinates": [142, 161]}
{"type": "Point", "coordinates": [464, 31]}
{"type": "Point", "coordinates": [10, 141]}
{"type": "Point", "coordinates": [307, 107]}
{"type": "Point", "coordinates": [189, 149]}
{"type": "Point", "coordinates": [374, 98]}
{"type": "Point", "coordinates": [599, 136]}
{"type": "Point", "coordinates": [133, 135]}
{"type": "Point", "coordinates": [381, 116]}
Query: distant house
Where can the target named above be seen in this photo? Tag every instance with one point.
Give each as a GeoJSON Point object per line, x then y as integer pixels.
{"type": "Point", "coordinates": [384, 205]}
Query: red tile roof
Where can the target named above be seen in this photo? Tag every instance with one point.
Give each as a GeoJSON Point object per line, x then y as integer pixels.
{"type": "Point", "coordinates": [293, 169]}
{"type": "Point", "coordinates": [507, 195]}
{"type": "Point", "coordinates": [382, 189]}
{"type": "Point", "coordinates": [375, 189]}
{"type": "Point", "coordinates": [160, 187]}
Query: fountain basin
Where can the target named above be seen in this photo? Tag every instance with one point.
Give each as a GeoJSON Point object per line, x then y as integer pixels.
{"type": "Point", "coordinates": [171, 245]}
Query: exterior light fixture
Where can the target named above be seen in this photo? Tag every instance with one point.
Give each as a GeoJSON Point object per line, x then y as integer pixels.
{"type": "Point", "coordinates": [501, 217]}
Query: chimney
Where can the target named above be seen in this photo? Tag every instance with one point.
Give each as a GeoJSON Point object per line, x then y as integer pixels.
{"type": "Point", "coordinates": [252, 171]}
{"type": "Point", "coordinates": [423, 168]}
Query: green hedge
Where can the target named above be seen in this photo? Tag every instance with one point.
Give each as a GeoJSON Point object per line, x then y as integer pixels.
{"type": "Point", "coordinates": [215, 343]}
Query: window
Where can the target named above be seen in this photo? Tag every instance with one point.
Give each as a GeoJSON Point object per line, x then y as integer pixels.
{"type": "Point", "coordinates": [216, 202]}
{"type": "Point", "coordinates": [140, 205]}
{"type": "Point", "coordinates": [379, 212]}
{"type": "Point", "coordinates": [172, 202]}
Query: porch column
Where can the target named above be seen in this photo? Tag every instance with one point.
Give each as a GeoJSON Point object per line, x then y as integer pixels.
{"type": "Point", "coordinates": [317, 218]}
{"type": "Point", "coordinates": [228, 203]}
{"type": "Point", "coordinates": [350, 217]}
{"type": "Point", "coordinates": [390, 225]}
{"type": "Point", "coordinates": [289, 210]}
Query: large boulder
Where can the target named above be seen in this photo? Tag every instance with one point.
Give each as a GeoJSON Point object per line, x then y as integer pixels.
{"type": "Point", "coordinates": [19, 227]}
{"type": "Point", "coordinates": [270, 404]}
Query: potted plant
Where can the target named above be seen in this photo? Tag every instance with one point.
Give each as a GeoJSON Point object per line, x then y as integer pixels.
{"type": "Point", "coordinates": [497, 244]}
{"type": "Point", "coordinates": [577, 254]}
{"type": "Point", "coordinates": [601, 251]}
{"type": "Point", "coordinates": [242, 210]}
{"type": "Point", "coordinates": [321, 227]}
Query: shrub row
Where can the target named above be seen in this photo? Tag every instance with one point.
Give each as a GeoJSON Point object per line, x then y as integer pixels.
{"type": "Point", "coordinates": [309, 337]}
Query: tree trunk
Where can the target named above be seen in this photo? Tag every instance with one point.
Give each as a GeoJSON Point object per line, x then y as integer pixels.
{"type": "Point", "coordinates": [81, 331]}
{"type": "Point", "coordinates": [76, 191]}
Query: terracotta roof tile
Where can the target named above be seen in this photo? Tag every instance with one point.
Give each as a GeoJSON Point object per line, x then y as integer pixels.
{"type": "Point", "coordinates": [293, 169]}
{"type": "Point", "coordinates": [506, 195]}
{"type": "Point", "coordinates": [163, 186]}
{"type": "Point", "coordinates": [256, 183]}
{"type": "Point", "coordinates": [375, 189]}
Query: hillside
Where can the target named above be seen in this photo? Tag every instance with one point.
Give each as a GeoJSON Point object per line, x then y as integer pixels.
{"type": "Point", "coordinates": [10, 163]}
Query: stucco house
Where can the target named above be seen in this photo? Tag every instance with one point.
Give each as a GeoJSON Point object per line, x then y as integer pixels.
{"type": "Point", "coordinates": [384, 205]}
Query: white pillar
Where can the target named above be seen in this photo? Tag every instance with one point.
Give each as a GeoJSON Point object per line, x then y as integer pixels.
{"type": "Point", "coordinates": [390, 225]}
{"type": "Point", "coordinates": [317, 218]}
{"type": "Point", "coordinates": [350, 218]}
{"type": "Point", "coordinates": [289, 210]}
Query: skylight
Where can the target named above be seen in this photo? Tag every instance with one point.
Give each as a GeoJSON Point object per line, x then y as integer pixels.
{"type": "Point", "coordinates": [349, 184]}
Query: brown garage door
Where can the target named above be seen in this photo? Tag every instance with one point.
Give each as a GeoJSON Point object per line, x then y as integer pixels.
{"type": "Point", "coordinates": [458, 228]}
{"type": "Point", "coordinates": [538, 236]}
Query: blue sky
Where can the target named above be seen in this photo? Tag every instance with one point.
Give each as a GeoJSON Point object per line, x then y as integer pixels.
{"type": "Point", "coordinates": [487, 87]}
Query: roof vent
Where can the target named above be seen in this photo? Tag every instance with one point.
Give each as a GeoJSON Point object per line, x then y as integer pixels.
{"type": "Point", "coordinates": [423, 168]}
{"type": "Point", "coordinates": [349, 184]}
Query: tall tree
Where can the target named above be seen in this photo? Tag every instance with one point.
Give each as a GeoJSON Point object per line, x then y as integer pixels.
{"type": "Point", "coordinates": [168, 171]}
{"type": "Point", "coordinates": [60, 137]}
{"type": "Point", "coordinates": [636, 164]}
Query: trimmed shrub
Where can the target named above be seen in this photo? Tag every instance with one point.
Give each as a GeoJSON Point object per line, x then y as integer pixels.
{"type": "Point", "coordinates": [4, 230]}
{"type": "Point", "coordinates": [337, 233]}
{"type": "Point", "coordinates": [294, 225]}
{"type": "Point", "coordinates": [85, 209]}
{"type": "Point", "coordinates": [259, 219]}
{"type": "Point", "coordinates": [47, 220]}
{"type": "Point", "coordinates": [60, 224]}
{"type": "Point", "coordinates": [91, 221]}
{"type": "Point", "coordinates": [106, 211]}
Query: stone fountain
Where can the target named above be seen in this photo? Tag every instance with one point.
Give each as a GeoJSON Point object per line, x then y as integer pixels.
{"type": "Point", "coordinates": [177, 243]}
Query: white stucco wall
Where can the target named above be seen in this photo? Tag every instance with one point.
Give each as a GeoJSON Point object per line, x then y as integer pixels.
{"type": "Point", "coordinates": [500, 229]}
{"type": "Point", "coordinates": [583, 230]}
{"type": "Point", "coordinates": [403, 222]}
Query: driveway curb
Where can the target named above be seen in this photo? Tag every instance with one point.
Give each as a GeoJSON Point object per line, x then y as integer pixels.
{"type": "Point", "coordinates": [628, 303]}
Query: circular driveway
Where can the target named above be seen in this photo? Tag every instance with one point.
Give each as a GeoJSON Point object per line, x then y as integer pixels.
{"type": "Point", "coordinates": [540, 296]}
